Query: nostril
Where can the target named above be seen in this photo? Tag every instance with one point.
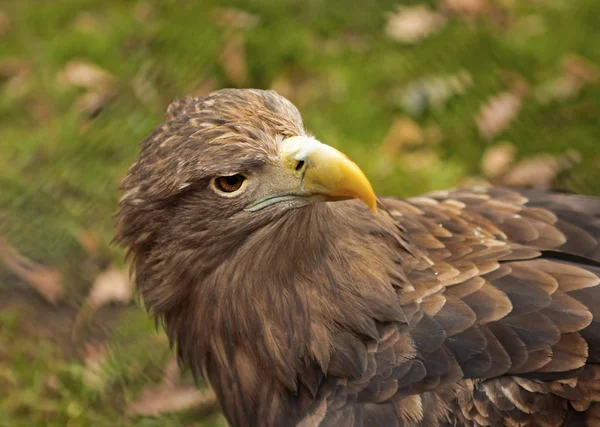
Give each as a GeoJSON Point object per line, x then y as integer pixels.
{"type": "Point", "coordinates": [300, 165]}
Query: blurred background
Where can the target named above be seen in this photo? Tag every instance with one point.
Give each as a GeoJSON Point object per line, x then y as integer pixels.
{"type": "Point", "coordinates": [423, 95]}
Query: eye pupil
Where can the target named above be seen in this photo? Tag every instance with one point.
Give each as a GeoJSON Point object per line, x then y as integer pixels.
{"type": "Point", "coordinates": [229, 184]}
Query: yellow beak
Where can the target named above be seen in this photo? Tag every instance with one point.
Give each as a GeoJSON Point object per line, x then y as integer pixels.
{"type": "Point", "coordinates": [326, 173]}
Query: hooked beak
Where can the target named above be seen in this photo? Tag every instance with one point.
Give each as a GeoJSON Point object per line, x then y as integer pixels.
{"type": "Point", "coordinates": [317, 171]}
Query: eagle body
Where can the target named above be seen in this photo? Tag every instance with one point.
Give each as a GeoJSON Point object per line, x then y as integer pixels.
{"type": "Point", "coordinates": [306, 301]}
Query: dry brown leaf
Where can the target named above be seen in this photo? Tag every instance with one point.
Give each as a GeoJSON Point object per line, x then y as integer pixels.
{"type": "Point", "coordinates": [15, 75]}
{"type": "Point", "coordinates": [497, 114]}
{"type": "Point", "coordinates": [410, 143]}
{"type": "Point", "coordinates": [18, 87]}
{"type": "Point", "coordinates": [234, 18]}
{"type": "Point", "coordinates": [85, 74]}
{"type": "Point", "coordinates": [94, 373]}
{"type": "Point", "coordinates": [581, 68]}
{"type": "Point", "coordinates": [12, 67]}
{"type": "Point", "coordinates": [473, 182]}
{"type": "Point", "coordinates": [403, 133]}
{"type": "Point", "coordinates": [90, 104]}
{"type": "Point", "coordinates": [144, 11]}
{"type": "Point", "coordinates": [532, 25]}
{"type": "Point", "coordinates": [5, 23]}
{"type": "Point", "coordinates": [497, 159]}
{"type": "Point", "coordinates": [422, 160]}
{"type": "Point", "coordinates": [282, 84]}
{"type": "Point", "coordinates": [299, 87]}
{"type": "Point", "coordinates": [164, 399]}
{"type": "Point", "coordinates": [467, 8]}
{"type": "Point", "coordinates": [433, 92]}
{"type": "Point", "coordinates": [52, 384]}
{"type": "Point", "coordinates": [233, 59]}
{"type": "Point", "coordinates": [88, 23]}
{"type": "Point", "coordinates": [576, 74]}
{"type": "Point", "coordinates": [88, 241]}
{"type": "Point", "coordinates": [45, 280]}
{"type": "Point", "coordinates": [204, 87]}
{"type": "Point", "coordinates": [168, 396]}
{"type": "Point", "coordinates": [41, 108]}
{"type": "Point", "coordinates": [539, 170]}
{"type": "Point", "coordinates": [433, 134]}
{"type": "Point", "coordinates": [560, 88]}
{"type": "Point", "coordinates": [112, 285]}
{"type": "Point", "coordinates": [410, 25]}
{"type": "Point", "coordinates": [516, 83]}
{"type": "Point", "coordinates": [144, 84]}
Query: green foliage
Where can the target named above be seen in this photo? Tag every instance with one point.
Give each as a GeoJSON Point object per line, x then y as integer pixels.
{"type": "Point", "coordinates": [60, 166]}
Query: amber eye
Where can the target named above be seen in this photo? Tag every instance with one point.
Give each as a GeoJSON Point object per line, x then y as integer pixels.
{"type": "Point", "coordinates": [229, 184]}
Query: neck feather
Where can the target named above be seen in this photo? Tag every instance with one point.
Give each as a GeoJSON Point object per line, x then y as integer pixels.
{"type": "Point", "coordinates": [289, 289]}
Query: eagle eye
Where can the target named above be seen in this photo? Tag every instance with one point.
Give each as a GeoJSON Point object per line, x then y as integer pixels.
{"type": "Point", "coordinates": [229, 184]}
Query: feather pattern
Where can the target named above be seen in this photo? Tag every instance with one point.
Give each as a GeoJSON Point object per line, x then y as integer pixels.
{"type": "Point", "coordinates": [466, 307]}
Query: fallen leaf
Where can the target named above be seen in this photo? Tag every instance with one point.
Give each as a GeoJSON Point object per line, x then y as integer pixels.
{"type": "Point", "coordinates": [8, 378]}
{"type": "Point", "coordinates": [90, 104]}
{"type": "Point", "coordinates": [88, 241]}
{"type": "Point", "coordinates": [164, 399]}
{"type": "Point", "coordinates": [52, 384]}
{"type": "Point", "coordinates": [112, 285]}
{"type": "Point", "coordinates": [410, 25]}
{"type": "Point", "coordinates": [433, 92]}
{"type": "Point", "coordinates": [144, 84]}
{"type": "Point", "coordinates": [539, 170]}
{"type": "Point", "coordinates": [410, 144]}
{"type": "Point", "coordinates": [560, 88]}
{"type": "Point", "coordinates": [15, 76]}
{"type": "Point", "coordinates": [424, 160]}
{"type": "Point", "coordinates": [576, 73]}
{"type": "Point", "coordinates": [234, 18]}
{"type": "Point", "coordinates": [233, 59]}
{"type": "Point", "coordinates": [45, 280]}
{"type": "Point", "coordinates": [467, 8]}
{"type": "Point", "coordinates": [204, 87]}
{"type": "Point", "coordinates": [497, 114]}
{"type": "Point", "coordinates": [40, 108]}
{"type": "Point", "coordinates": [5, 23]}
{"type": "Point", "coordinates": [94, 373]}
{"type": "Point", "coordinates": [581, 69]}
{"type": "Point", "coordinates": [433, 134]}
{"type": "Point", "coordinates": [88, 23]}
{"type": "Point", "coordinates": [18, 87]}
{"type": "Point", "coordinates": [356, 42]}
{"type": "Point", "coordinates": [144, 11]}
{"type": "Point", "coordinates": [169, 396]}
{"type": "Point", "coordinates": [532, 25]}
{"type": "Point", "coordinates": [497, 159]}
{"type": "Point", "coordinates": [12, 67]}
{"type": "Point", "coordinates": [474, 182]}
{"type": "Point", "coordinates": [85, 74]}
{"type": "Point", "coordinates": [404, 132]}
{"type": "Point", "coordinates": [283, 85]}
{"type": "Point", "coordinates": [301, 88]}
{"type": "Point", "coordinates": [515, 81]}
{"type": "Point", "coordinates": [171, 373]}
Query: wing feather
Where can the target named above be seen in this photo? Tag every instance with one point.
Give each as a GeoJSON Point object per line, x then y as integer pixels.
{"type": "Point", "coordinates": [504, 318]}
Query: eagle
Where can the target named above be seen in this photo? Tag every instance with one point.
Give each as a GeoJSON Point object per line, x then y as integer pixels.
{"type": "Point", "coordinates": [306, 300]}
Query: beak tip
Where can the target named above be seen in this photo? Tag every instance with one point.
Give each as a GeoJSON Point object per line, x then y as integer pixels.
{"type": "Point", "coordinates": [372, 205]}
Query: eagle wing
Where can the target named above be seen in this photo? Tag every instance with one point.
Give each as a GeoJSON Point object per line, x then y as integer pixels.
{"type": "Point", "coordinates": [503, 317]}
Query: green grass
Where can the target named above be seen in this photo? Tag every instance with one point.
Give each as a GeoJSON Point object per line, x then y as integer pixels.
{"type": "Point", "coordinates": [59, 169]}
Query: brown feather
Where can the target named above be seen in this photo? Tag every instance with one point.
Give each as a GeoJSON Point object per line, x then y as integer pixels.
{"type": "Point", "coordinates": [462, 307]}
